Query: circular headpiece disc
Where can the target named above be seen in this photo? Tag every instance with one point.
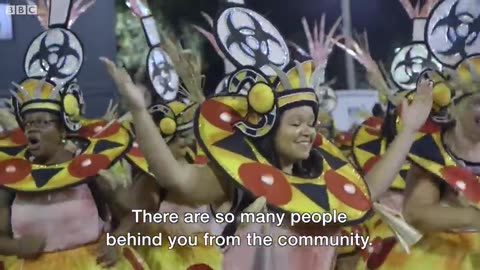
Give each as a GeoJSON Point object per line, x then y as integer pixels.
{"type": "Point", "coordinates": [248, 39]}
{"type": "Point", "coordinates": [409, 63]}
{"type": "Point", "coordinates": [162, 74]}
{"type": "Point", "coordinates": [56, 54]}
{"type": "Point", "coordinates": [452, 32]}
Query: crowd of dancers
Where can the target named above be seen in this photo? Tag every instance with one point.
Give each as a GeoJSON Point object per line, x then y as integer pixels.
{"type": "Point", "coordinates": [264, 141]}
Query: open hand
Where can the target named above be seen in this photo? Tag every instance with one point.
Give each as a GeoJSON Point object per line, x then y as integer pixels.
{"type": "Point", "coordinates": [415, 114]}
{"type": "Point", "coordinates": [127, 89]}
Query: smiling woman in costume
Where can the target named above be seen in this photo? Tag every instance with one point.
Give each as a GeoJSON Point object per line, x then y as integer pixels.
{"type": "Point", "coordinates": [52, 212]}
{"type": "Point", "coordinates": [262, 143]}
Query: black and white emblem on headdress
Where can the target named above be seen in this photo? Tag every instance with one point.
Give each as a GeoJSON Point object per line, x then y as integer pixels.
{"type": "Point", "coordinates": [160, 68]}
{"type": "Point", "coordinates": [409, 62]}
{"type": "Point", "coordinates": [57, 53]}
{"type": "Point", "coordinates": [248, 39]}
{"type": "Point", "coordinates": [453, 29]}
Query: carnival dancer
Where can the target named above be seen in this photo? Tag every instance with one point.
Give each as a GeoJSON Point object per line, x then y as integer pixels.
{"type": "Point", "coordinates": [174, 118]}
{"type": "Point", "coordinates": [264, 148]}
{"type": "Point", "coordinates": [374, 136]}
{"type": "Point", "coordinates": [443, 179]}
{"type": "Point", "coordinates": [53, 212]}
{"type": "Point", "coordinates": [448, 202]}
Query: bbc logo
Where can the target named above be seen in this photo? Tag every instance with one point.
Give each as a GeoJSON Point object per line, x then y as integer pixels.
{"type": "Point", "coordinates": [21, 10]}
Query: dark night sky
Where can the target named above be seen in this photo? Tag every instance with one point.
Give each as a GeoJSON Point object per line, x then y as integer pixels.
{"type": "Point", "coordinates": [386, 22]}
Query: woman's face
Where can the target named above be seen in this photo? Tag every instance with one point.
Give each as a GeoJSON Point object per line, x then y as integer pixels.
{"type": "Point", "coordinates": [44, 134]}
{"type": "Point", "coordinates": [179, 145]}
{"type": "Point", "coordinates": [295, 135]}
{"type": "Point", "coordinates": [467, 114]}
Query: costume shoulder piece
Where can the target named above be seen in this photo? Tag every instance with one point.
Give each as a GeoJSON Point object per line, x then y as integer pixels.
{"type": "Point", "coordinates": [228, 125]}
{"type": "Point", "coordinates": [133, 155]}
{"type": "Point", "coordinates": [19, 174]}
{"type": "Point", "coordinates": [51, 87]}
{"type": "Point", "coordinates": [369, 145]}
{"type": "Point", "coordinates": [428, 152]}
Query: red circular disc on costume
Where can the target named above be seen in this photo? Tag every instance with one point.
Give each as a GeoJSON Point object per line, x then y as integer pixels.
{"type": "Point", "coordinates": [373, 125]}
{"type": "Point", "coordinates": [430, 127]}
{"type": "Point", "coordinates": [18, 137]}
{"type": "Point", "coordinates": [265, 180]}
{"type": "Point", "coordinates": [14, 170]}
{"type": "Point", "coordinates": [463, 180]}
{"type": "Point", "coordinates": [370, 163]}
{"type": "Point", "coordinates": [200, 266]}
{"type": "Point", "coordinates": [318, 140]}
{"type": "Point", "coordinates": [135, 150]}
{"type": "Point", "coordinates": [201, 160]}
{"type": "Point", "coordinates": [219, 114]}
{"type": "Point", "coordinates": [88, 165]}
{"type": "Point", "coordinates": [132, 259]}
{"type": "Point", "coordinates": [91, 129]}
{"type": "Point", "coordinates": [340, 186]}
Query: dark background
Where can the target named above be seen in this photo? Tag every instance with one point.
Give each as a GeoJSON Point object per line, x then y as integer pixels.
{"type": "Point", "coordinates": [386, 22]}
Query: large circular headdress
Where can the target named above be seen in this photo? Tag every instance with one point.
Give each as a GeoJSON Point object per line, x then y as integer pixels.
{"type": "Point", "coordinates": [57, 53]}
{"type": "Point", "coordinates": [51, 63]}
{"type": "Point", "coordinates": [160, 68]}
{"type": "Point", "coordinates": [452, 33]}
{"type": "Point", "coordinates": [411, 60]}
{"type": "Point", "coordinates": [249, 39]}
{"type": "Point", "coordinates": [452, 37]}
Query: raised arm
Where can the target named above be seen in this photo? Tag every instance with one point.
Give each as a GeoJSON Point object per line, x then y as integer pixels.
{"type": "Point", "coordinates": [413, 115]}
{"type": "Point", "coordinates": [423, 208]}
{"type": "Point", "coordinates": [194, 182]}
